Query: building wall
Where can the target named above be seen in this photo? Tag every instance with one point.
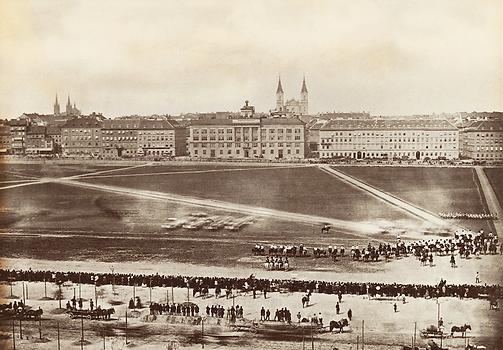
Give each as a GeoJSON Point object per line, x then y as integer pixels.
{"type": "Point", "coordinates": [120, 138]}
{"type": "Point", "coordinates": [81, 141]}
{"type": "Point", "coordinates": [39, 143]}
{"type": "Point", "coordinates": [17, 138]}
{"type": "Point", "coordinates": [414, 144]}
{"type": "Point", "coordinates": [247, 139]}
{"type": "Point", "coordinates": [157, 142]}
{"type": "Point", "coordinates": [483, 145]}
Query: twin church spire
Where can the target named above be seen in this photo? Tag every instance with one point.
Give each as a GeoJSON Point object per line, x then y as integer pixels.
{"type": "Point", "coordinates": [292, 106]}
{"type": "Point", "coordinates": [69, 109]}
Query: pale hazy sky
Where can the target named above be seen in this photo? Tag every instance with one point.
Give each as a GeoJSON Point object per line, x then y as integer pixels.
{"type": "Point", "coordinates": [167, 57]}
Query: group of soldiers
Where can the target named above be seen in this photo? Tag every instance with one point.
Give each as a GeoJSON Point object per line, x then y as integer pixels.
{"type": "Point", "coordinates": [184, 309]}
{"type": "Point", "coordinates": [276, 263]}
{"type": "Point", "coordinates": [220, 312]}
{"type": "Point", "coordinates": [469, 216]}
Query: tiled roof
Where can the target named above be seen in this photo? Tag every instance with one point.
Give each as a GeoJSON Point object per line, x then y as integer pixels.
{"type": "Point", "coordinates": [82, 122]}
{"type": "Point", "coordinates": [282, 121]}
{"type": "Point", "coordinates": [486, 125]}
{"type": "Point", "coordinates": [18, 122]}
{"type": "Point", "coordinates": [202, 122]}
{"type": "Point", "coordinates": [36, 129]}
{"type": "Point", "coordinates": [155, 124]}
{"type": "Point", "coordinates": [53, 130]}
{"type": "Point", "coordinates": [120, 123]}
{"type": "Point", "coordinates": [389, 124]}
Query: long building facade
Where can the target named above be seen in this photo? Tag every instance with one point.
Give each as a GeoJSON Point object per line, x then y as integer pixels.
{"type": "Point", "coordinates": [248, 138]}
{"type": "Point", "coordinates": [483, 141]}
{"type": "Point", "coordinates": [390, 139]}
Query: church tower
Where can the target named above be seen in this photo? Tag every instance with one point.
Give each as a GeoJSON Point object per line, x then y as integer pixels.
{"type": "Point", "coordinates": [56, 106]}
{"type": "Point", "coordinates": [280, 98]}
{"type": "Point", "coordinates": [303, 98]}
{"type": "Point", "coordinates": [69, 108]}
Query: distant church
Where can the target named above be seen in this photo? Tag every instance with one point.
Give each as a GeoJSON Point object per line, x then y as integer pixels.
{"type": "Point", "coordinates": [291, 107]}
{"type": "Point", "coordinates": [70, 110]}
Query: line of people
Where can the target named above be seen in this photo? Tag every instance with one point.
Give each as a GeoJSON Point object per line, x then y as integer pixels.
{"type": "Point", "coordinates": [468, 216]}
{"type": "Point", "coordinates": [251, 283]}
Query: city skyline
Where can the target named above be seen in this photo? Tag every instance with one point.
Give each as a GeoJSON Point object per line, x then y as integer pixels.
{"type": "Point", "coordinates": [387, 58]}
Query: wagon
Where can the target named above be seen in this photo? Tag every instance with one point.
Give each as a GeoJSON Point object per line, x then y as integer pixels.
{"type": "Point", "coordinates": [433, 332]}
{"type": "Point", "coordinates": [89, 314]}
{"type": "Point", "coordinates": [277, 328]}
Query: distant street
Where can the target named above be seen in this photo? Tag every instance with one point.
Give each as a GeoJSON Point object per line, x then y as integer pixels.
{"type": "Point", "coordinates": [491, 199]}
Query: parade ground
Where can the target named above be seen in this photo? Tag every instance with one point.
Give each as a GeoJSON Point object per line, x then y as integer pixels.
{"type": "Point", "coordinates": [93, 218]}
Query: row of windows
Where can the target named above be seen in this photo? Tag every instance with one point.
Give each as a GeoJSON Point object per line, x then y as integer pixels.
{"type": "Point", "coordinates": [389, 133]}
{"type": "Point", "coordinates": [80, 144]}
{"type": "Point", "coordinates": [245, 129]}
{"type": "Point", "coordinates": [339, 140]}
{"type": "Point", "coordinates": [238, 144]}
{"type": "Point", "coordinates": [323, 146]}
{"type": "Point", "coordinates": [380, 155]}
{"type": "Point", "coordinates": [85, 131]}
{"type": "Point", "coordinates": [238, 152]}
{"type": "Point", "coordinates": [489, 148]}
{"type": "Point", "coordinates": [79, 138]}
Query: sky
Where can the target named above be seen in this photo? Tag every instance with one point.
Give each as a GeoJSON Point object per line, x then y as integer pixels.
{"type": "Point", "coordinates": [393, 57]}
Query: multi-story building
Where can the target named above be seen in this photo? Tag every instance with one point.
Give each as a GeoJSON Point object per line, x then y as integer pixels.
{"type": "Point", "coordinates": [389, 138]}
{"type": "Point", "coordinates": [18, 129]}
{"type": "Point", "coordinates": [268, 138]}
{"type": "Point", "coordinates": [120, 137]}
{"type": "Point", "coordinates": [37, 140]}
{"type": "Point", "coordinates": [54, 132]}
{"type": "Point", "coordinates": [4, 137]}
{"type": "Point", "coordinates": [161, 138]}
{"type": "Point", "coordinates": [81, 136]}
{"type": "Point", "coordinates": [483, 140]}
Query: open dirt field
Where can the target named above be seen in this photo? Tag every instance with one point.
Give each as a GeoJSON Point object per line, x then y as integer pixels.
{"type": "Point", "coordinates": [63, 227]}
{"type": "Point", "coordinates": [383, 328]}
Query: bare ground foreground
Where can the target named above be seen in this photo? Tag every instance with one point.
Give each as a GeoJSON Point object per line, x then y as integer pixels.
{"type": "Point", "coordinates": [57, 225]}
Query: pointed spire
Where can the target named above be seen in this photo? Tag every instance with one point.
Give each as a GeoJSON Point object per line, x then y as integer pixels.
{"type": "Point", "coordinates": [280, 88]}
{"type": "Point", "coordinates": [68, 101]}
{"type": "Point", "coordinates": [304, 88]}
{"type": "Point", "coordinates": [56, 101]}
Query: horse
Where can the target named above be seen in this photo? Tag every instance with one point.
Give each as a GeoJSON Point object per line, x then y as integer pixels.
{"type": "Point", "coordinates": [343, 322]}
{"type": "Point", "coordinates": [305, 301]}
{"type": "Point", "coordinates": [35, 314]}
{"type": "Point", "coordinates": [461, 329]}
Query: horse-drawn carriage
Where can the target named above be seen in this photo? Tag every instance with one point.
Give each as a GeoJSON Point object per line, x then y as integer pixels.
{"type": "Point", "coordinates": [272, 328]}
{"type": "Point", "coordinates": [438, 332]}
{"type": "Point", "coordinates": [433, 332]}
{"type": "Point", "coordinates": [7, 311]}
{"type": "Point", "coordinates": [96, 314]}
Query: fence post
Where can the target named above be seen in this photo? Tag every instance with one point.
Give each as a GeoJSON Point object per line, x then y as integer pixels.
{"type": "Point", "coordinates": [20, 329]}
{"type": "Point", "coordinates": [125, 330]}
{"type": "Point", "coordinates": [40, 329]}
{"type": "Point", "coordinates": [82, 332]}
{"type": "Point", "coordinates": [13, 336]}
{"type": "Point", "coordinates": [59, 345]}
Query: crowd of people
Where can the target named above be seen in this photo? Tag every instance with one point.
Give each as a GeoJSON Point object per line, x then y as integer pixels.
{"type": "Point", "coordinates": [255, 284]}
{"type": "Point", "coordinates": [468, 216]}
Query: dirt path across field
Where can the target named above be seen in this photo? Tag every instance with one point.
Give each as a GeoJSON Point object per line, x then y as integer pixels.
{"type": "Point", "coordinates": [357, 229]}
{"type": "Point", "coordinates": [386, 197]}
{"type": "Point", "coordinates": [491, 199]}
